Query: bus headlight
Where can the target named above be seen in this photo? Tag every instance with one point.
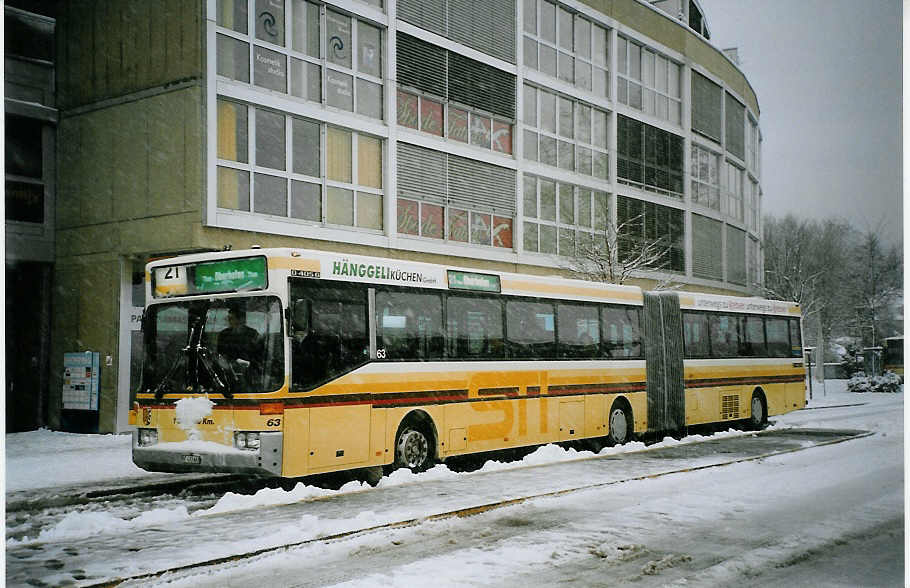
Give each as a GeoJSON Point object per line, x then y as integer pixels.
{"type": "Point", "coordinates": [148, 437]}
{"type": "Point", "coordinates": [246, 440]}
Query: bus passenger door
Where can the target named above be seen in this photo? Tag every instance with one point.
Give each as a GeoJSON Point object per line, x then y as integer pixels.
{"type": "Point", "coordinates": [663, 347]}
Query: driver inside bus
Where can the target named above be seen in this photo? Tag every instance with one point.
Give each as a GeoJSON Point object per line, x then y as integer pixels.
{"type": "Point", "coordinates": [238, 342]}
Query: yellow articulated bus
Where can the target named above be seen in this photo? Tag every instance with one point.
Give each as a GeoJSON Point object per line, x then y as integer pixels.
{"type": "Point", "coordinates": [310, 362]}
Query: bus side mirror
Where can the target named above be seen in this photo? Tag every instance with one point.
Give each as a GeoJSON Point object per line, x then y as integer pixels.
{"type": "Point", "coordinates": [300, 315]}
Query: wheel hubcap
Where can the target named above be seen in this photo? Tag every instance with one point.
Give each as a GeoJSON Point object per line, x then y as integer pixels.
{"type": "Point", "coordinates": [618, 425]}
{"type": "Point", "coordinates": [413, 448]}
{"type": "Point", "coordinates": [757, 412]}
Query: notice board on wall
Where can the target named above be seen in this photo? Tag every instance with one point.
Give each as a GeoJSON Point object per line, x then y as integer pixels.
{"type": "Point", "coordinates": [81, 380]}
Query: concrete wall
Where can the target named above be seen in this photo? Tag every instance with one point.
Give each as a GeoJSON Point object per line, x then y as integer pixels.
{"type": "Point", "coordinates": [131, 161]}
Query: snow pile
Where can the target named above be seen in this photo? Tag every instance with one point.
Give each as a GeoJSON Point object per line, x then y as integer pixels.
{"type": "Point", "coordinates": [190, 412]}
{"type": "Point", "coordinates": [43, 458]}
{"type": "Point", "coordinates": [889, 383]}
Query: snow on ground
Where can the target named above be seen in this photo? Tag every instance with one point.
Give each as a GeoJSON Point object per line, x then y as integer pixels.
{"type": "Point", "coordinates": [41, 459]}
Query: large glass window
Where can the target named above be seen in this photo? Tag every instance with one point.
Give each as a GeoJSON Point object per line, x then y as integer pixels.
{"type": "Point", "coordinates": [622, 332]}
{"type": "Point", "coordinates": [695, 335]}
{"type": "Point", "coordinates": [340, 184]}
{"type": "Point", "coordinates": [733, 190]}
{"type": "Point", "coordinates": [649, 157]}
{"type": "Point", "coordinates": [566, 45]}
{"type": "Point", "coordinates": [704, 170]}
{"type": "Point", "coordinates": [778, 330]}
{"type": "Point", "coordinates": [753, 341]}
{"type": "Point", "coordinates": [562, 218]}
{"type": "Point", "coordinates": [707, 107]}
{"type": "Point", "coordinates": [734, 126]}
{"type": "Point", "coordinates": [329, 334]}
{"type": "Point", "coordinates": [474, 327]}
{"type": "Point", "coordinates": [641, 223]}
{"type": "Point", "coordinates": [287, 55]}
{"type": "Point", "coordinates": [565, 133]}
{"type": "Point", "coordinates": [648, 81]}
{"type": "Point", "coordinates": [530, 329]}
{"type": "Point", "coordinates": [725, 335]}
{"type": "Point", "coordinates": [579, 330]}
{"type": "Point", "coordinates": [449, 197]}
{"type": "Point", "coordinates": [224, 346]}
{"type": "Point", "coordinates": [408, 325]}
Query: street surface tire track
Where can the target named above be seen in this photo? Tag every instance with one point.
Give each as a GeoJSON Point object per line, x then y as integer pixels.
{"type": "Point", "coordinates": [475, 510]}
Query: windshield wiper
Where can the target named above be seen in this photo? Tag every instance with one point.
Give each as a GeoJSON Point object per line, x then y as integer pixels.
{"type": "Point", "coordinates": [222, 381]}
{"type": "Point", "coordinates": [159, 390]}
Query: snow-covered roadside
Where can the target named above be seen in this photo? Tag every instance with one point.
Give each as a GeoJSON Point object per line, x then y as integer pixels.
{"type": "Point", "coordinates": [44, 458]}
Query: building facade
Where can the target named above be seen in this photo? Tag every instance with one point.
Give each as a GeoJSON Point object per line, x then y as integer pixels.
{"type": "Point", "coordinates": [501, 134]}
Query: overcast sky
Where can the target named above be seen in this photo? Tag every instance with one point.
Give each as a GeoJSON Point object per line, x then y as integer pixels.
{"type": "Point", "coordinates": [827, 74]}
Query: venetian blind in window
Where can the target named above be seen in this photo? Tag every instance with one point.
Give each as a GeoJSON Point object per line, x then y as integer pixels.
{"type": "Point", "coordinates": [482, 86]}
{"type": "Point", "coordinates": [429, 15]}
{"type": "Point", "coordinates": [434, 70]}
{"type": "Point", "coordinates": [649, 157]}
{"type": "Point", "coordinates": [706, 106]}
{"type": "Point", "coordinates": [736, 255]}
{"type": "Point", "coordinates": [734, 127]}
{"type": "Point", "coordinates": [474, 184]}
{"type": "Point", "coordinates": [707, 245]}
{"type": "Point", "coordinates": [422, 65]}
{"type": "Point", "coordinates": [483, 25]}
{"type": "Point", "coordinates": [421, 173]}
{"type": "Point", "coordinates": [646, 222]}
{"type": "Point", "coordinates": [440, 178]}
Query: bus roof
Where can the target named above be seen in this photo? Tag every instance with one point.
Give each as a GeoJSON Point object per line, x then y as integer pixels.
{"type": "Point", "coordinates": [378, 270]}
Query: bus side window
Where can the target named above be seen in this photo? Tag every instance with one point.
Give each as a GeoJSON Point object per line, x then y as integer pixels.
{"type": "Point", "coordinates": [778, 337]}
{"type": "Point", "coordinates": [335, 338]}
{"type": "Point", "coordinates": [725, 336]}
{"type": "Point", "coordinates": [752, 342]}
{"type": "Point", "coordinates": [695, 335]}
{"type": "Point", "coordinates": [796, 341]}
{"type": "Point", "coordinates": [579, 330]}
{"type": "Point", "coordinates": [409, 324]}
{"type": "Point", "coordinates": [474, 327]}
{"type": "Point", "coordinates": [530, 329]}
{"type": "Point", "coordinates": [622, 333]}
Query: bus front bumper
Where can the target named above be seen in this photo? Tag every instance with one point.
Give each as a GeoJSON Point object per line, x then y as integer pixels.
{"type": "Point", "coordinates": [266, 461]}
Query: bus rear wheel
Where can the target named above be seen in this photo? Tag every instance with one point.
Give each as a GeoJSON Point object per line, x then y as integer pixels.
{"type": "Point", "coordinates": [620, 429]}
{"type": "Point", "coordinates": [758, 418]}
{"type": "Point", "coordinates": [412, 449]}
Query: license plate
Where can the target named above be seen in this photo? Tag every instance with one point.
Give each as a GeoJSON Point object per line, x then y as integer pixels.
{"type": "Point", "coordinates": [193, 459]}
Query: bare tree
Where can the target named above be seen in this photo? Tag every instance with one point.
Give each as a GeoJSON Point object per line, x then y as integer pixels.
{"type": "Point", "coordinates": [619, 253]}
{"type": "Point", "coordinates": [805, 262]}
{"type": "Point", "coordinates": [874, 280]}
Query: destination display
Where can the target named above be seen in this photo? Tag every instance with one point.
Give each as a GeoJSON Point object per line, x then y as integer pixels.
{"type": "Point", "coordinates": [230, 275]}
{"type": "Point", "coordinates": [473, 281]}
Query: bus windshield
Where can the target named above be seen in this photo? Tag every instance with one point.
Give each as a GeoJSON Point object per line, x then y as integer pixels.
{"type": "Point", "coordinates": [222, 345]}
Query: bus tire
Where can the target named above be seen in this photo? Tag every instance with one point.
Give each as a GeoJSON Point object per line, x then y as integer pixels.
{"type": "Point", "coordinates": [413, 449]}
{"type": "Point", "coordinates": [758, 414]}
{"type": "Point", "coordinates": [620, 423]}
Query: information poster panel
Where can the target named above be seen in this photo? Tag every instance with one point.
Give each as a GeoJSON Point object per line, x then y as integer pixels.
{"type": "Point", "coordinates": [81, 380]}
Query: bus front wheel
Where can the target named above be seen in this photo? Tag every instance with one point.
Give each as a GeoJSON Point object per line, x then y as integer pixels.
{"type": "Point", "coordinates": [412, 450]}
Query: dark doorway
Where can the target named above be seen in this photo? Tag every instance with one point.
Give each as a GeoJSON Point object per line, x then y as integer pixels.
{"type": "Point", "coordinates": [28, 289]}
